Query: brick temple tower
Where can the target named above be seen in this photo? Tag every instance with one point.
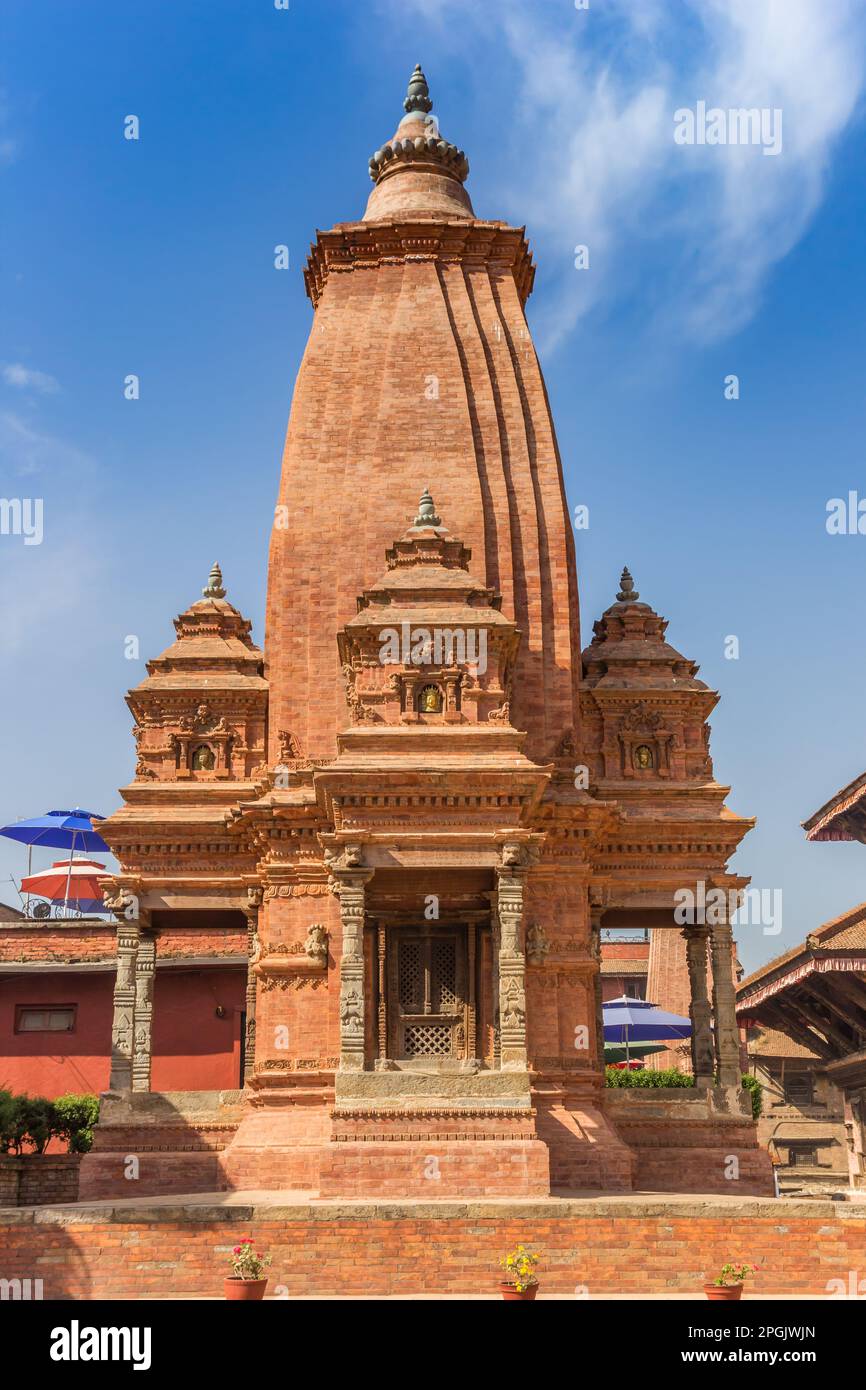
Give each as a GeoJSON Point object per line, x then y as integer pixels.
{"type": "Point", "coordinates": [422, 866]}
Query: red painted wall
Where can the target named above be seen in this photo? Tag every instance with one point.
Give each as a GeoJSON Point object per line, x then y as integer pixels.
{"type": "Point", "coordinates": [49, 1064]}
{"type": "Point", "coordinates": [193, 1049]}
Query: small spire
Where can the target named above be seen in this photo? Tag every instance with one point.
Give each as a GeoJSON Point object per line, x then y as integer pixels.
{"type": "Point", "coordinates": [426, 511]}
{"type": "Point", "coordinates": [627, 592]}
{"type": "Point", "coordinates": [215, 583]}
{"type": "Point", "coordinates": [418, 95]}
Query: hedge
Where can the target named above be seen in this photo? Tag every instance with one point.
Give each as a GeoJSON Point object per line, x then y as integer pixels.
{"type": "Point", "coordinates": [31, 1122]}
{"type": "Point", "coordinates": [614, 1076]}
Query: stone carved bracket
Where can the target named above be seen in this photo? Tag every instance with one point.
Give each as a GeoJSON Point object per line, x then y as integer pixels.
{"type": "Point", "coordinates": [309, 957]}
{"type": "Point", "coordinates": [537, 945]}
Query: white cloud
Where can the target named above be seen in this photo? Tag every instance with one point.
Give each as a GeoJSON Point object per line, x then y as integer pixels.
{"type": "Point", "coordinates": [590, 126]}
{"type": "Point", "coordinates": [25, 449]}
{"type": "Point", "coordinates": [26, 378]}
{"type": "Point", "coordinates": [49, 581]}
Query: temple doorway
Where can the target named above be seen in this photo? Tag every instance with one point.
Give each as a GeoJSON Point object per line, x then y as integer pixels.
{"type": "Point", "coordinates": [428, 1004]}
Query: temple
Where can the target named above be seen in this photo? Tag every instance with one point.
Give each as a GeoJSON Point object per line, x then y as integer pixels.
{"type": "Point", "coordinates": [407, 824]}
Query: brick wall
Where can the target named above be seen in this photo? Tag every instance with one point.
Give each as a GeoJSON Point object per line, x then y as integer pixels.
{"type": "Point", "coordinates": [625, 1246]}
{"type": "Point", "coordinates": [37, 1179]}
{"type": "Point", "coordinates": [60, 941]}
{"type": "Point", "coordinates": [80, 940]}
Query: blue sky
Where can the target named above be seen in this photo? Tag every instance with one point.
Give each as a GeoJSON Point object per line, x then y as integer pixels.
{"type": "Point", "coordinates": [155, 257]}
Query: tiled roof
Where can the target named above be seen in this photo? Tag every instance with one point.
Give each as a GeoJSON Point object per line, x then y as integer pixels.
{"type": "Point", "coordinates": [827, 823]}
{"type": "Point", "coordinates": [844, 933]}
{"type": "Point", "coordinates": [623, 967]}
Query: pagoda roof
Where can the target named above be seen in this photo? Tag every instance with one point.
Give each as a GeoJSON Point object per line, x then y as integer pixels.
{"type": "Point", "coordinates": [845, 933]}
{"type": "Point", "coordinates": [628, 650]}
{"type": "Point", "coordinates": [843, 817]}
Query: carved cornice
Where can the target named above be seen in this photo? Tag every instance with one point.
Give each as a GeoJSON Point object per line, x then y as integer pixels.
{"type": "Point", "coordinates": [296, 980]}
{"type": "Point", "coordinates": [366, 245]}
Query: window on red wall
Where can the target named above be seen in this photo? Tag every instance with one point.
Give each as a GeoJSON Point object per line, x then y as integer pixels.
{"type": "Point", "coordinates": [45, 1018]}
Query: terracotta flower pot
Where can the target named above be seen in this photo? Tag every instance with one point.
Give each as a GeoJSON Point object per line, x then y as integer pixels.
{"type": "Point", "coordinates": [245, 1290]}
{"type": "Point", "coordinates": [725, 1292]}
{"type": "Point", "coordinates": [509, 1292]}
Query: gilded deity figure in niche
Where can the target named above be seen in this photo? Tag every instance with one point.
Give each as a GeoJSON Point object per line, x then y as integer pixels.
{"type": "Point", "coordinates": [203, 759]}
{"type": "Point", "coordinates": [431, 700]}
{"type": "Point", "coordinates": [643, 757]}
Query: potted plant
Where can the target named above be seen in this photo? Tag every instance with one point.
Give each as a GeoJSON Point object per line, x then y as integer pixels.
{"type": "Point", "coordinates": [729, 1284]}
{"type": "Point", "coordinates": [520, 1281]}
{"type": "Point", "coordinates": [247, 1281]}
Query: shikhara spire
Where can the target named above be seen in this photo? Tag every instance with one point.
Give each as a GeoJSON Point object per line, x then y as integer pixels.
{"type": "Point", "coordinates": [427, 511]}
{"type": "Point", "coordinates": [416, 152]}
{"type": "Point", "coordinates": [627, 592]}
{"type": "Point", "coordinates": [418, 95]}
{"type": "Point", "coordinates": [215, 583]}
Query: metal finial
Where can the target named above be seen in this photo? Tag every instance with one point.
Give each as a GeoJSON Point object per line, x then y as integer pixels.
{"type": "Point", "coordinates": [418, 95]}
{"type": "Point", "coordinates": [426, 511]}
{"type": "Point", "coordinates": [627, 592]}
{"type": "Point", "coordinates": [215, 583]}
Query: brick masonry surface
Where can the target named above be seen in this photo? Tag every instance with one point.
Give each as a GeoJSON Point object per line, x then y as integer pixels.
{"type": "Point", "coordinates": [36, 1178]}
{"type": "Point", "coordinates": [633, 1245]}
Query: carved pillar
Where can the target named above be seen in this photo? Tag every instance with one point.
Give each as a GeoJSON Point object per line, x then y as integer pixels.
{"type": "Point", "coordinates": [381, 990]}
{"type": "Point", "coordinates": [512, 964]}
{"type": "Point", "coordinates": [349, 884]}
{"type": "Point", "coordinates": [123, 1022]}
{"type": "Point", "coordinates": [727, 1043]}
{"type": "Point", "coordinates": [597, 903]}
{"type": "Point", "coordinates": [251, 912]}
{"type": "Point", "coordinates": [495, 939]}
{"type": "Point", "coordinates": [145, 964]}
{"type": "Point", "coordinates": [699, 1006]}
{"type": "Point", "coordinates": [471, 1002]}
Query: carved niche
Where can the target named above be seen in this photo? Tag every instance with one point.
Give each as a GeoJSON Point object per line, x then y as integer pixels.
{"type": "Point", "coordinates": [645, 742]}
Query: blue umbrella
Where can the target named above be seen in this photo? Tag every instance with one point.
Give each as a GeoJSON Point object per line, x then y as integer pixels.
{"type": "Point", "coordinates": [637, 1020]}
{"type": "Point", "coordinates": [58, 830]}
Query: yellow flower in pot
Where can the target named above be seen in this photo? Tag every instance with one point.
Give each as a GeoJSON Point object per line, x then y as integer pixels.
{"type": "Point", "coordinates": [520, 1281]}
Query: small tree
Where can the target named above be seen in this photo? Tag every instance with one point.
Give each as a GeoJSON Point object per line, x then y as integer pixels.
{"type": "Point", "coordinates": [756, 1094]}
{"type": "Point", "coordinates": [75, 1117]}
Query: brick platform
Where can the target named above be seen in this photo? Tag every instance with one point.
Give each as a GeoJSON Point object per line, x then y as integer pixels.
{"type": "Point", "coordinates": [615, 1245]}
{"type": "Point", "coordinates": [201, 1142]}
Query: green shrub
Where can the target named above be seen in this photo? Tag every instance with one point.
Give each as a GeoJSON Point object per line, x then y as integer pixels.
{"type": "Point", "coordinates": [7, 1120]}
{"type": "Point", "coordinates": [644, 1077]}
{"type": "Point", "coordinates": [75, 1117]}
{"type": "Point", "coordinates": [33, 1121]}
{"type": "Point", "coordinates": [756, 1093]}
{"type": "Point", "coordinates": [670, 1077]}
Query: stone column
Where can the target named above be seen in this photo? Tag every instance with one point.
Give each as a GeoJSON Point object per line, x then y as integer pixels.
{"type": "Point", "coordinates": [145, 963]}
{"type": "Point", "coordinates": [699, 1006]}
{"type": "Point", "coordinates": [123, 1021]}
{"type": "Point", "coordinates": [596, 912]}
{"type": "Point", "coordinates": [350, 884]}
{"type": "Point", "coordinates": [251, 912]}
{"type": "Point", "coordinates": [727, 1043]}
{"type": "Point", "coordinates": [512, 962]}
{"type": "Point", "coordinates": [495, 939]}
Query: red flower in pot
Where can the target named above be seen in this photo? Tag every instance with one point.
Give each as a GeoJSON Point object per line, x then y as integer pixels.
{"type": "Point", "coordinates": [247, 1282]}
{"type": "Point", "coordinates": [729, 1284]}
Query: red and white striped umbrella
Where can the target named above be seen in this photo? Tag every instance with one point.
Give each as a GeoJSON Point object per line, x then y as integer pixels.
{"type": "Point", "coordinates": [68, 880]}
